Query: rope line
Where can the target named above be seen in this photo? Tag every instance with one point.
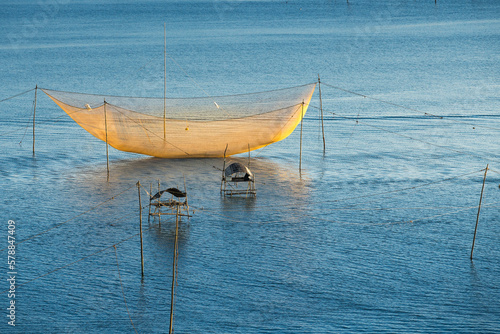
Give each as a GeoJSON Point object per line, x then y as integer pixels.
{"type": "Point", "coordinates": [366, 196]}
{"type": "Point", "coordinates": [434, 216]}
{"type": "Point", "coordinates": [79, 260]}
{"type": "Point", "coordinates": [394, 222]}
{"type": "Point", "coordinates": [73, 218]}
{"type": "Point", "coordinates": [407, 188]}
{"type": "Point", "coordinates": [352, 131]}
{"type": "Point", "coordinates": [460, 209]}
{"type": "Point", "coordinates": [123, 291]}
{"type": "Point", "coordinates": [28, 123]}
{"type": "Point", "coordinates": [494, 171]}
{"type": "Point", "coordinates": [406, 136]}
{"type": "Point", "coordinates": [31, 116]}
{"type": "Point", "coordinates": [408, 108]}
{"type": "Point", "coordinates": [179, 98]}
{"type": "Point", "coordinates": [4, 134]}
{"type": "Point", "coordinates": [11, 97]}
{"type": "Point", "coordinates": [50, 120]}
{"type": "Point", "coordinates": [350, 223]}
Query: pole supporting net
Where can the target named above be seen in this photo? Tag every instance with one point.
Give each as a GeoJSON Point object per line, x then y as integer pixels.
{"type": "Point", "coordinates": [188, 127]}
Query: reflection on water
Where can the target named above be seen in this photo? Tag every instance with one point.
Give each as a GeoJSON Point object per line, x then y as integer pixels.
{"type": "Point", "coordinates": [202, 178]}
{"type": "Point", "coordinates": [162, 234]}
{"type": "Point", "coordinates": [238, 203]}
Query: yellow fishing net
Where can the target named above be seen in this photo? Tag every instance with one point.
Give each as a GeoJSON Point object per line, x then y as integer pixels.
{"type": "Point", "coordinates": [190, 127]}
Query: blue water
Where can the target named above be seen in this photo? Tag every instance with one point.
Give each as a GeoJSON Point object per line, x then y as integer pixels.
{"type": "Point", "coordinates": [373, 236]}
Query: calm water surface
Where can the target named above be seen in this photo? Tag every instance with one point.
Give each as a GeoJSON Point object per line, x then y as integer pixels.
{"type": "Point", "coordinates": [373, 236]}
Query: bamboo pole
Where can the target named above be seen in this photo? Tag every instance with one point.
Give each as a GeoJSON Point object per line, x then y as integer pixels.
{"type": "Point", "coordinates": [34, 113]}
{"type": "Point", "coordinates": [223, 179]}
{"type": "Point", "coordinates": [140, 226]}
{"type": "Point", "coordinates": [106, 129]}
{"type": "Point", "coordinates": [174, 271]}
{"type": "Point", "coordinates": [150, 192]}
{"type": "Point", "coordinates": [478, 210]}
{"type": "Point", "coordinates": [165, 82]}
{"type": "Point", "coordinates": [321, 109]}
{"type": "Point", "coordinates": [159, 204]}
{"type": "Point", "coordinates": [185, 191]}
{"type": "Point", "coordinates": [300, 147]}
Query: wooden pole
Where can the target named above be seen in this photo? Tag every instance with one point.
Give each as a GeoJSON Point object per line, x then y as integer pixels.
{"type": "Point", "coordinates": [222, 182]}
{"type": "Point", "coordinates": [321, 109]}
{"type": "Point", "coordinates": [185, 191]}
{"type": "Point", "coordinates": [165, 82]}
{"type": "Point", "coordinates": [140, 226]}
{"type": "Point", "coordinates": [34, 113]}
{"type": "Point", "coordinates": [159, 204]}
{"type": "Point", "coordinates": [478, 210]}
{"type": "Point", "coordinates": [106, 129]}
{"type": "Point", "coordinates": [150, 192]}
{"type": "Point", "coordinates": [300, 148]}
{"type": "Point", "coordinates": [174, 271]}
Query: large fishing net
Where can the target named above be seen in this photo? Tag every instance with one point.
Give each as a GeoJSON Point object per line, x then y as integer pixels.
{"type": "Point", "coordinates": [188, 127]}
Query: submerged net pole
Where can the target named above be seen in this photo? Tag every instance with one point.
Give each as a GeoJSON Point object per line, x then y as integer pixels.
{"type": "Point", "coordinates": [300, 150]}
{"type": "Point", "coordinates": [223, 179]}
{"type": "Point", "coordinates": [321, 109]}
{"type": "Point", "coordinates": [478, 210]}
{"type": "Point", "coordinates": [159, 205]}
{"type": "Point", "coordinates": [140, 226]}
{"type": "Point", "coordinates": [150, 192]}
{"type": "Point", "coordinates": [34, 113]}
{"type": "Point", "coordinates": [174, 271]}
{"type": "Point", "coordinates": [185, 191]}
{"type": "Point", "coordinates": [106, 130]}
{"type": "Point", "coordinates": [165, 81]}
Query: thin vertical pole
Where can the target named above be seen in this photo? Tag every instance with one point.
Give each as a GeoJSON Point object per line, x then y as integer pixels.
{"type": "Point", "coordinates": [106, 129]}
{"type": "Point", "coordinates": [140, 226]}
{"type": "Point", "coordinates": [248, 155]}
{"type": "Point", "coordinates": [185, 191]}
{"type": "Point", "coordinates": [165, 82]}
{"type": "Point", "coordinates": [321, 109]}
{"type": "Point", "coordinates": [478, 210]}
{"type": "Point", "coordinates": [300, 153]}
{"type": "Point", "coordinates": [223, 179]}
{"type": "Point", "coordinates": [150, 192]}
{"type": "Point", "coordinates": [174, 271]}
{"type": "Point", "coordinates": [34, 113]}
{"type": "Point", "coordinates": [159, 204]}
